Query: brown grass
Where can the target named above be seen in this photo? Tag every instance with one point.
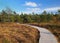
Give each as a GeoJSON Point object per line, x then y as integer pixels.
{"type": "Point", "coordinates": [17, 33]}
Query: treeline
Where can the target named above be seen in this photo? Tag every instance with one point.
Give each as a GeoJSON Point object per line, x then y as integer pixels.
{"type": "Point", "coordinates": [11, 16]}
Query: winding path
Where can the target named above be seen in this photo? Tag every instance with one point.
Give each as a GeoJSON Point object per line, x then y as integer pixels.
{"type": "Point", "coordinates": [46, 36]}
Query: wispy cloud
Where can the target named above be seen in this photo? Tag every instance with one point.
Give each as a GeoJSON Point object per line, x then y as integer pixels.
{"type": "Point", "coordinates": [32, 4]}
{"type": "Point", "coordinates": [39, 10]}
{"type": "Point", "coordinates": [52, 9]}
{"type": "Point", "coordinates": [34, 9]}
{"type": "Point", "coordinates": [30, 10]}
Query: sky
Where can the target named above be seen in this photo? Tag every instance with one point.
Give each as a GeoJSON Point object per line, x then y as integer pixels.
{"type": "Point", "coordinates": [29, 6]}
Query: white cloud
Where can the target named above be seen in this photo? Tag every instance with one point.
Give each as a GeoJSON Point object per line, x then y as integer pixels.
{"type": "Point", "coordinates": [35, 10]}
{"type": "Point", "coordinates": [33, 4]}
{"type": "Point", "coordinates": [39, 10]}
{"type": "Point", "coordinates": [52, 9]}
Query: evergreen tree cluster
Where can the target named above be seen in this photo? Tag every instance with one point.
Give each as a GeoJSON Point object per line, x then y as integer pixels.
{"type": "Point", "coordinates": [11, 16]}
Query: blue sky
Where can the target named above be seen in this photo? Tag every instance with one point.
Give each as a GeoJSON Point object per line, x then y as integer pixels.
{"type": "Point", "coordinates": [28, 6]}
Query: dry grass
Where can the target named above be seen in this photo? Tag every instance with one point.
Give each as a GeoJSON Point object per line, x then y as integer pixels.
{"type": "Point", "coordinates": [17, 33]}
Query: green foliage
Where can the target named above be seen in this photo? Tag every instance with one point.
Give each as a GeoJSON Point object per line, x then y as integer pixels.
{"type": "Point", "coordinates": [59, 11]}
{"type": "Point", "coordinates": [11, 16]}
